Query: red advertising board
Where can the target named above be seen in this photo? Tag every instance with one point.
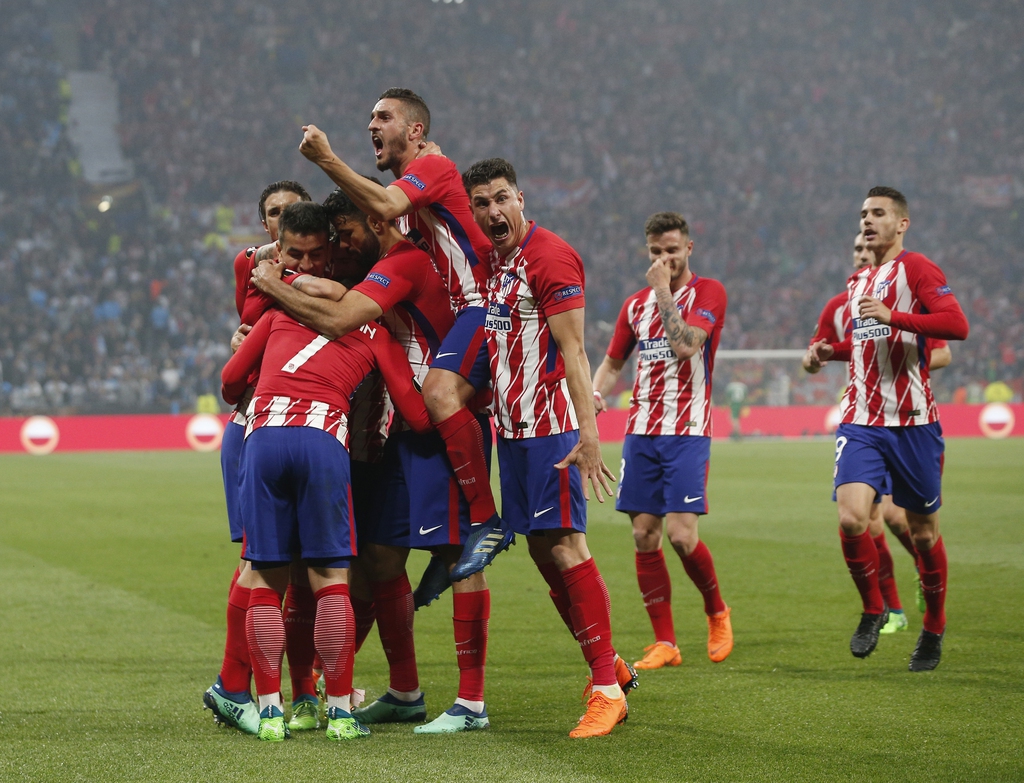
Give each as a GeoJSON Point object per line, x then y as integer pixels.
{"type": "Point", "coordinates": [45, 435]}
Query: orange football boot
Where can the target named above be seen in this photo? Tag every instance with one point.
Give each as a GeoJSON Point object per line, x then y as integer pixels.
{"type": "Point", "coordinates": [719, 636]}
{"type": "Point", "coordinates": [658, 655]}
{"type": "Point", "coordinates": [603, 714]}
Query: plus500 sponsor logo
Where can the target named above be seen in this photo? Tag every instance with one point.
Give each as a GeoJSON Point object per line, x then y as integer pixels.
{"type": "Point", "coordinates": [657, 350]}
{"type": "Point", "coordinates": [869, 329]}
{"type": "Point", "coordinates": [499, 318]}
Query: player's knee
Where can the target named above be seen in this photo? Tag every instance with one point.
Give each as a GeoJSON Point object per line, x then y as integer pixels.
{"type": "Point", "coordinates": [924, 538]}
{"type": "Point", "coordinates": [852, 522]}
{"type": "Point", "coordinates": [684, 541]}
{"type": "Point", "coordinates": [646, 540]}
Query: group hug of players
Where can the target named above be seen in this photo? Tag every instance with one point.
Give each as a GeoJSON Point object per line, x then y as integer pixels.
{"type": "Point", "coordinates": [381, 330]}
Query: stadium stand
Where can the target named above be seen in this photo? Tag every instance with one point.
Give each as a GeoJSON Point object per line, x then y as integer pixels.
{"type": "Point", "coordinates": [765, 129]}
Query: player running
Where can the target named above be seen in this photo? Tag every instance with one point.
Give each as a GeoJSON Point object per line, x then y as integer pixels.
{"type": "Point", "coordinates": [833, 326]}
{"type": "Point", "coordinates": [890, 424]}
{"type": "Point", "coordinates": [676, 322]}
{"type": "Point", "coordinates": [433, 213]}
{"type": "Point", "coordinates": [548, 446]}
{"type": "Point", "coordinates": [235, 671]}
{"type": "Point", "coordinates": [421, 507]}
{"type": "Point", "coordinates": [294, 491]}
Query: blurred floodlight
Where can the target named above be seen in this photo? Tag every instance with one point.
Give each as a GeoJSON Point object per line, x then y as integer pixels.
{"type": "Point", "coordinates": [105, 204]}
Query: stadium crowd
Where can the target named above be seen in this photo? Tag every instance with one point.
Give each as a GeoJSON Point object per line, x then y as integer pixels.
{"type": "Point", "coordinates": [763, 129]}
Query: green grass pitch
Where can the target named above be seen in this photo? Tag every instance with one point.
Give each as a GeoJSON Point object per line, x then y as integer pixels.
{"type": "Point", "coordinates": [114, 571]}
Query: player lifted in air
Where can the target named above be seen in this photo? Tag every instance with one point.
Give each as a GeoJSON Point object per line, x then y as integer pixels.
{"type": "Point", "coordinates": [674, 324]}
{"type": "Point", "coordinates": [890, 424]}
{"type": "Point", "coordinates": [294, 491]}
{"type": "Point", "coordinates": [833, 326]}
{"type": "Point", "coordinates": [548, 448]}
{"type": "Point", "coordinates": [433, 213]}
{"type": "Point", "coordinates": [421, 506]}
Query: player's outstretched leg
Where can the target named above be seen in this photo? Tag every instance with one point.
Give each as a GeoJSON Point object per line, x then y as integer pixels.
{"type": "Point", "coordinates": [264, 629]}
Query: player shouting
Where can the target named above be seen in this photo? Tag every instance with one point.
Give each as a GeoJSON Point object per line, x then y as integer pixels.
{"type": "Point", "coordinates": [434, 214]}
{"type": "Point", "coordinates": [548, 447]}
{"type": "Point", "coordinates": [833, 326]}
{"type": "Point", "coordinates": [676, 323]}
{"type": "Point", "coordinates": [890, 423]}
{"type": "Point", "coordinates": [294, 491]}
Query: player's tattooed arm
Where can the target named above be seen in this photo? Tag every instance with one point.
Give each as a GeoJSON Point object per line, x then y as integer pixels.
{"type": "Point", "coordinates": [267, 252]}
{"type": "Point", "coordinates": [685, 340]}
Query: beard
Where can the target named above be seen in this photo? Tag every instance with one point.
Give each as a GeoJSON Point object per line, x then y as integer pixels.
{"type": "Point", "coordinates": [393, 150]}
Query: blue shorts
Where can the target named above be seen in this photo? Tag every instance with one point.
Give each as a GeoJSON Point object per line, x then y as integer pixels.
{"type": "Point", "coordinates": [535, 496]}
{"type": "Point", "coordinates": [230, 453]}
{"type": "Point", "coordinates": [295, 497]}
{"type": "Point", "coordinates": [464, 348]}
{"type": "Point", "coordinates": [908, 457]}
{"type": "Point", "coordinates": [422, 506]}
{"type": "Point", "coordinates": [663, 474]}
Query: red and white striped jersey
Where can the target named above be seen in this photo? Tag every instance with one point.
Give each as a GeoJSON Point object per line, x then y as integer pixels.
{"type": "Point", "coordinates": [542, 277]}
{"type": "Point", "coordinates": [416, 311]}
{"type": "Point", "coordinates": [306, 379]}
{"type": "Point", "coordinates": [670, 396]}
{"type": "Point", "coordinates": [442, 225]}
{"type": "Point", "coordinates": [889, 362]}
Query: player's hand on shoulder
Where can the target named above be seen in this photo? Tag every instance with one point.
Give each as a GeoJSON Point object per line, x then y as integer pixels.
{"type": "Point", "coordinates": [428, 148]}
{"type": "Point", "coordinates": [314, 145]}
{"type": "Point", "coordinates": [873, 308]}
{"type": "Point", "coordinates": [266, 272]}
{"type": "Point", "coordinates": [586, 456]}
{"type": "Point", "coordinates": [239, 336]}
{"type": "Point", "coordinates": [658, 274]}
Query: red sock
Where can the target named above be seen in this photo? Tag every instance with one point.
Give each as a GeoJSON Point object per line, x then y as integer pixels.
{"type": "Point", "coordinates": [366, 614]}
{"type": "Point", "coordinates": [472, 611]}
{"type": "Point", "coordinates": [656, 592]}
{"type": "Point", "coordinates": [591, 620]}
{"type": "Point", "coordinates": [933, 584]}
{"type": "Point", "coordinates": [299, 618]}
{"type": "Point", "coordinates": [264, 629]}
{"type": "Point", "coordinates": [886, 579]}
{"type": "Point", "coordinates": [908, 543]}
{"type": "Point", "coordinates": [700, 567]}
{"type": "Point", "coordinates": [335, 634]}
{"type": "Point", "coordinates": [559, 595]}
{"type": "Point", "coordinates": [862, 560]}
{"type": "Point", "coordinates": [235, 671]}
{"type": "Point", "coordinates": [394, 624]}
{"type": "Point", "coordinates": [464, 441]}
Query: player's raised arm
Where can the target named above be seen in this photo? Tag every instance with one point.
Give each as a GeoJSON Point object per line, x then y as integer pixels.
{"type": "Point", "coordinates": [377, 201]}
{"type": "Point", "coordinates": [567, 331]}
{"type": "Point", "coordinates": [685, 340]}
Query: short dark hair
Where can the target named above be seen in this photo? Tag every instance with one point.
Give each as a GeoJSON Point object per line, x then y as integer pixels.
{"type": "Point", "coordinates": [482, 172]}
{"type": "Point", "coordinates": [303, 218]}
{"type": "Point", "coordinates": [660, 222]}
{"type": "Point", "coordinates": [287, 185]}
{"type": "Point", "coordinates": [415, 108]}
{"type": "Point", "coordinates": [881, 191]}
{"type": "Point", "coordinates": [338, 204]}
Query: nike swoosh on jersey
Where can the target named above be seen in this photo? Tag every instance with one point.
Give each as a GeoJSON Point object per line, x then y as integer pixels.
{"type": "Point", "coordinates": [688, 499]}
{"type": "Point", "coordinates": [929, 505]}
{"type": "Point", "coordinates": [428, 530]}
{"type": "Point", "coordinates": [441, 355]}
{"type": "Point", "coordinates": [538, 513]}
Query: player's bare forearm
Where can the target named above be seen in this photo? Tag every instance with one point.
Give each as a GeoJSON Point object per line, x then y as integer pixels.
{"type": "Point", "coordinates": [604, 380]}
{"type": "Point", "coordinates": [266, 252]}
{"type": "Point", "coordinates": [567, 331]}
{"type": "Point", "coordinates": [320, 287]}
{"type": "Point", "coordinates": [685, 340]}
